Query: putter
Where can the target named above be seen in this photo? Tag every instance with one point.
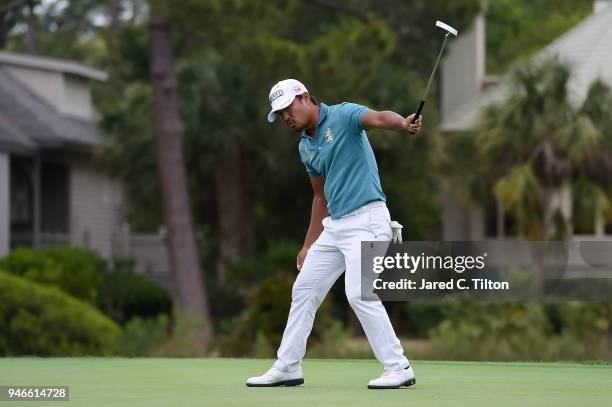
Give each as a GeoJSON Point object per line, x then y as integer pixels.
{"type": "Point", "coordinates": [449, 30]}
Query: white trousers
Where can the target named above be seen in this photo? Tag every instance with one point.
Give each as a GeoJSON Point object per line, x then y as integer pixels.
{"type": "Point", "coordinates": [337, 249]}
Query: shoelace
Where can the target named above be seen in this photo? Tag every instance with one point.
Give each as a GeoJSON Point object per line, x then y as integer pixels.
{"type": "Point", "coordinates": [386, 372]}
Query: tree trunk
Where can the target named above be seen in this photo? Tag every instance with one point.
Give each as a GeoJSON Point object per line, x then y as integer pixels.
{"type": "Point", "coordinates": [234, 213]}
{"type": "Point", "coordinates": [3, 32]}
{"type": "Point", "coordinates": [557, 203]}
{"type": "Point", "coordinates": [566, 209]}
{"type": "Point", "coordinates": [114, 11]}
{"type": "Point", "coordinates": [31, 34]}
{"type": "Point", "coordinates": [189, 289]}
{"type": "Point", "coordinates": [548, 210]}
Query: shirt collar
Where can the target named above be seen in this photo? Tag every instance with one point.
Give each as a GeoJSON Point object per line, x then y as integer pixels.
{"type": "Point", "coordinates": [322, 115]}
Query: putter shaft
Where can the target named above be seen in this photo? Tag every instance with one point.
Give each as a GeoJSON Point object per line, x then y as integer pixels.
{"type": "Point", "coordinates": [430, 81]}
{"type": "Point", "coordinates": [433, 73]}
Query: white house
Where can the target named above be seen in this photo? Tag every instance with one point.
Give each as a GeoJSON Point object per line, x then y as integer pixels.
{"type": "Point", "coordinates": [587, 48]}
{"type": "Point", "coordinates": [51, 192]}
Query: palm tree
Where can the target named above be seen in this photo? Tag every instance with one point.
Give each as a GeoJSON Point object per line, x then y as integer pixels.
{"type": "Point", "coordinates": [538, 149]}
{"type": "Point", "coordinates": [592, 195]}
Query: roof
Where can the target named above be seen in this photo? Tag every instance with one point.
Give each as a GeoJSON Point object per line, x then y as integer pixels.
{"type": "Point", "coordinates": [51, 64]}
{"type": "Point", "coordinates": [585, 48]}
{"type": "Point", "coordinates": [27, 122]}
{"type": "Point", "coordinates": [12, 138]}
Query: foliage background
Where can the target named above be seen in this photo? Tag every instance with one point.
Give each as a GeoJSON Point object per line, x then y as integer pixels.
{"type": "Point", "coordinates": [228, 54]}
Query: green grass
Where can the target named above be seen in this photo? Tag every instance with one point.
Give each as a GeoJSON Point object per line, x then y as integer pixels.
{"type": "Point", "coordinates": [220, 382]}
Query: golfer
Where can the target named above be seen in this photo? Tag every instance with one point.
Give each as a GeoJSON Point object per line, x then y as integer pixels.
{"type": "Point", "coordinates": [348, 207]}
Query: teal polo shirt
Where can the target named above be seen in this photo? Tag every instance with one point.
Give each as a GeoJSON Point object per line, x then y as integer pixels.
{"type": "Point", "coordinates": [342, 154]}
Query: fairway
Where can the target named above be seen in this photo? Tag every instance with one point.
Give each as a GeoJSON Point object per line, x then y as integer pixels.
{"type": "Point", "coordinates": [220, 382]}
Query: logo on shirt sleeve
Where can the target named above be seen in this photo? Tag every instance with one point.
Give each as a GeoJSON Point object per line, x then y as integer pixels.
{"type": "Point", "coordinates": [329, 135]}
{"type": "Point", "coordinates": [310, 153]}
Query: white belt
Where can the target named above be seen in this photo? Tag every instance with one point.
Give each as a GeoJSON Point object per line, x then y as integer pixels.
{"type": "Point", "coordinates": [365, 208]}
{"type": "Point", "coordinates": [396, 227]}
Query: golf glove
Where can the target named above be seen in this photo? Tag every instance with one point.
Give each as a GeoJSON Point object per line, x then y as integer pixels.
{"type": "Point", "coordinates": [397, 231]}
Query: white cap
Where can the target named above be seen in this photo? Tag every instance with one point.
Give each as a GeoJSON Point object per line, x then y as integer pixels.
{"type": "Point", "coordinates": [282, 94]}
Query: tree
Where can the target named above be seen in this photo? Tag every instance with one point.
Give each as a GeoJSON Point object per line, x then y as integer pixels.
{"type": "Point", "coordinates": [8, 12]}
{"type": "Point", "coordinates": [190, 292]}
{"type": "Point", "coordinates": [228, 55]}
{"type": "Point", "coordinates": [517, 29]}
{"type": "Point", "coordinates": [540, 150]}
{"type": "Point", "coordinates": [593, 195]}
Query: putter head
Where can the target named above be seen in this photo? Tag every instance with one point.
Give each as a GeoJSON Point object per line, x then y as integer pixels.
{"type": "Point", "coordinates": [446, 27]}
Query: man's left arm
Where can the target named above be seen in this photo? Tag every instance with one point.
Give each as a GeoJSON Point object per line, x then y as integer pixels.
{"type": "Point", "coordinates": [388, 120]}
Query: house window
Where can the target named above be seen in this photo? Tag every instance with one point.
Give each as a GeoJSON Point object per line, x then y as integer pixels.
{"type": "Point", "coordinates": [55, 198]}
{"type": "Point", "coordinates": [21, 193]}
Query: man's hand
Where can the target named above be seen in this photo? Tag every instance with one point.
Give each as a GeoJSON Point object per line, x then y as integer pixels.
{"type": "Point", "coordinates": [301, 256]}
{"type": "Point", "coordinates": [413, 127]}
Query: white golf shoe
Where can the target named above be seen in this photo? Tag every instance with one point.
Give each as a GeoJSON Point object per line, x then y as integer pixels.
{"type": "Point", "coordinates": [274, 377]}
{"type": "Point", "coordinates": [393, 379]}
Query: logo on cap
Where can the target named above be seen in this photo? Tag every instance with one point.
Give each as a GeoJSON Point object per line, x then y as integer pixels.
{"type": "Point", "coordinates": [276, 95]}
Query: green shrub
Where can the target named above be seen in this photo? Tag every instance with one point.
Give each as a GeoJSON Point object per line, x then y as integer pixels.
{"type": "Point", "coordinates": [141, 336]}
{"type": "Point", "coordinates": [587, 319]}
{"type": "Point", "coordinates": [124, 295]}
{"type": "Point", "coordinates": [278, 256]}
{"type": "Point", "coordinates": [492, 331]}
{"type": "Point", "coordinates": [44, 321]}
{"type": "Point", "coordinates": [258, 330]}
{"type": "Point", "coordinates": [265, 283]}
{"type": "Point", "coordinates": [419, 318]}
{"type": "Point", "coordinates": [334, 343]}
{"type": "Point", "coordinates": [586, 329]}
{"type": "Point", "coordinates": [571, 331]}
{"type": "Point", "coordinates": [186, 339]}
{"type": "Point", "coordinates": [260, 326]}
{"type": "Point", "coordinates": [73, 270]}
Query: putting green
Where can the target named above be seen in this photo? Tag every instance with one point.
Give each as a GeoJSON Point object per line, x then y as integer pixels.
{"type": "Point", "coordinates": [220, 382]}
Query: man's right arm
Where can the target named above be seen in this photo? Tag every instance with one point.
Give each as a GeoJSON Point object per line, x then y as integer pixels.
{"type": "Point", "coordinates": [388, 120]}
{"type": "Point", "coordinates": [318, 212]}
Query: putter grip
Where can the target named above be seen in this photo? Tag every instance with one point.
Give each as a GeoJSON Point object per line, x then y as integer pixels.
{"type": "Point", "coordinates": [418, 113]}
